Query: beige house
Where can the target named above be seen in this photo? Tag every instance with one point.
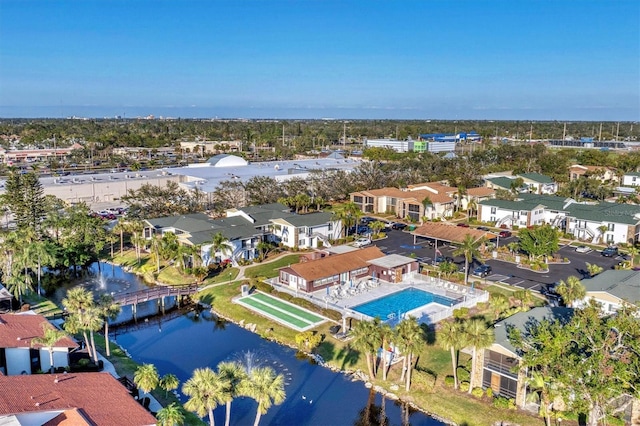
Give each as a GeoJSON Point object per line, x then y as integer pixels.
{"type": "Point", "coordinates": [601, 173]}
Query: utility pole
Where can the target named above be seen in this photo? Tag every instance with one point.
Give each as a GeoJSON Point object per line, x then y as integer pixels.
{"type": "Point", "coordinates": [344, 135]}
{"type": "Point", "coordinates": [617, 131]}
{"type": "Point", "coordinates": [283, 136]}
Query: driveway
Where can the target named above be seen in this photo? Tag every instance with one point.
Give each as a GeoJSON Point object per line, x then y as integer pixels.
{"type": "Point", "coordinates": [399, 242]}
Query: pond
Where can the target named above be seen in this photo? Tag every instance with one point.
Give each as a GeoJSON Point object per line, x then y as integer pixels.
{"type": "Point", "coordinates": [315, 395]}
{"type": "Point", "coordinates": [178, 345]}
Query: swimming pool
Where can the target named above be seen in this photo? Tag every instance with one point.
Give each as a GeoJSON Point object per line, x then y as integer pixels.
{"type": "Point", "coordinates": [400, 303]}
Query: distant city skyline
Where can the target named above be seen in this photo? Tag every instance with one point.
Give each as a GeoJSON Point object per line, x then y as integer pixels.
{"type": "Point", "coordinates": [312, 59]}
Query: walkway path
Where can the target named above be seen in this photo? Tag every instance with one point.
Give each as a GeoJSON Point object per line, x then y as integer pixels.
{"type": "Point", "coordinates": [243, 268]}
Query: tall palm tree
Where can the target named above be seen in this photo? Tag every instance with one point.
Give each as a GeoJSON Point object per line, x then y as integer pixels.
{"type": "Point", "coordinates": [633, 252]}
{"type": "Point", "coordinates": [571, 290]}
{"type": "Point", "coordinates": [349, 214]}
{"type": "Point", "coordinates": [266, 387]}
{"type": "Point", "coordinates": [77, 303]}
{"type": "Point", "coordinates": [219, 244]}
{"type": "Point", "coordinates": [450, 336]}
{"type": "Point", "coordinates": [479, 335]}
{"type": "Point", "coordinates": [469, 248]}
{"type": "Point", "coordinates": [146, 377]}
{"type": "Point", "coordinates": [387, 335]}
{"type": "Point", "coordinates": [109, 310]}
{"type": "Point", "coordinates": [366, 339]}
{"type": "Point", "coordinates": [156, 250]}
{"type": "Point", "coordinates": [412, 337]}
{"type": "Point", "coordinates": [50, 337]}
{"type": "Point", "coordinates": [171, 415]}
{"type": "Point", "coordinates": [233, 376]}
{"type": "Point", "coordinates": [205, 390]}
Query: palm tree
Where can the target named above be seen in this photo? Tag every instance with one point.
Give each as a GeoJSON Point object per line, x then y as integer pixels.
{"type": "Point", "coordinates": [349, 214]}
{"type": "Point", "coordinates": [602, 229]}
{"type": "Point", "coordinates": [146, 378]}
{"type": "Point", "coordinates": [376, 227]}
{"type": "Point", "coordinates": [169, 382]}
{"type": "Point", "coordinates": [386, 337]}
{"type": "Point", "coordinates": [366, 339]}
{"type": "Point", "coordinates": [633, 252]}
{"type": "Point", "coordinates": [109, 310]}
{"type": "Point", "coordinates": [594, 269]}
{"type": "Point", "coordinates": [412, 336]}
{"type": "Point", "coordinates": [571, 290]}
{"type": "Point", "coordinates": [266, 387]}
{"type": "Point", "coordinates": [233, 376]}
{"type": "Point", "coordinates": [263, 248]}
{"type": "Point", "coordinates": [450, 336]}
{"type": "Point", "coordinates": [205, 390]}
{"type": "Point", "coordinates": [219, 244]}
{"type": "Point", "coordinates": [498, 303]}
{"type": "Point", "coordinates": [80, 306]}
{"type": "Point", "coordinates": [426, 203]}
{"type": "Point", "coordinates": [469, 248]}
{"type": "Point", "coordinates": [171, 415]}
{"type": "Point", "coordinates": [50, 337]}
{"type": "Point", "coordinates": [478, 335]}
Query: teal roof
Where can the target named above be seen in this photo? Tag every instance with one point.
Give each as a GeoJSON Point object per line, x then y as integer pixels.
{"type": "Point", "coordinates": [536, 177]}
{"type": "Point", "coordinates": [311, 219]}
{"type": "Point", "coordinates": [521, 319]}
{"type": "Point", "coordinates": [623, 284]}
{"type": "Point", "coordinates": [636, 174]}
{"type": "Point", "coordinates": [502, 182]}
{"type": "Point", "coordinates": [530, 202]}
{"type": "Point", "coordinates": [628, 214]}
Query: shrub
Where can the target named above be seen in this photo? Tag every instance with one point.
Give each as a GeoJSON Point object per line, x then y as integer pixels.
{"type": "Point", "coordinates": [477, 392]}
{"type": "Point", "coordinates": [461, 312]}
{"type": "Point", "coordinates": [262, 286]}
{"type": "Point", "coordinates": [490, 392]}
{"type": "Point", "coordinates": [423, 380]}
{"type": "Point", "coordinates": [448, 381]}
{"type": "Point", "coordinates": [463, 374]}
{"type": "Point", "coordinates": [464, 386]}
{"type": "Point", "coordinates": [504, 403]}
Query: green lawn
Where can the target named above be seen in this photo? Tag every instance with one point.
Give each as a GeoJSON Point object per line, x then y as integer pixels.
{"type": "Point", "coordinates": [287, 307]}
{"type": "Point", "coordinates": [270, 270]}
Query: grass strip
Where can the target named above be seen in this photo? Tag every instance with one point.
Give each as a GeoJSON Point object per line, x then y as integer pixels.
{"type": "Point", "coordinates": [276, 314]}
{"type": "Point", "coordinates": [287, 307]}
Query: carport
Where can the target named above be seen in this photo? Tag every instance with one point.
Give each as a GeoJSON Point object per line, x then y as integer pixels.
{"type": "Point", "coordinates": [446, 232]}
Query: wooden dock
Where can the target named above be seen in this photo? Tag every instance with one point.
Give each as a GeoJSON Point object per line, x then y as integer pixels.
{"type": "Point", "coordinates": [154, 293]}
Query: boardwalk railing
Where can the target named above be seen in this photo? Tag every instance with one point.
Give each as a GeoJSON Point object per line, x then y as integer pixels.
{"type": "Point", "coordinates": [155, 293]}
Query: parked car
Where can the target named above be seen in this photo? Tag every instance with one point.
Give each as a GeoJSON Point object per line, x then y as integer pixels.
{"type": "Point", "coordinates": [440, 258]}
{"type": "Point", "coordinates": [482, 271]}
{"type": "Point", "coordinates": [505, 234]}
{"type": "Point", "coordinates": [463, 225]}
{"type": "Point", "coordinates": [582, 249]}
{"type": "Point", "coordinates": [482, 228]}
{"type": "Point", "coordinates": [610, 252]}
{"type": "Point", "coordinates": [398, 225]}
{"type": "Point", "coordinates": [361, 242]}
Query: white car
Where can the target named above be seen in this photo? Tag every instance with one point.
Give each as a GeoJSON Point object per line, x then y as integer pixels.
{"type": "Point", "coordinates": [582, 249]}
{"type": "Point", "coordinates": [361, 242]}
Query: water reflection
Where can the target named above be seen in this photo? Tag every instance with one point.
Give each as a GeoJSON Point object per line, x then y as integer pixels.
{"type": "Point", "coordinates": [315, 395]}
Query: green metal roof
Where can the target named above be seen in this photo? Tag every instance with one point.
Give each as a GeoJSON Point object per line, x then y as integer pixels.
{"type": "Point", "coordinates": [623, 284]}
{"type": "Point", "coordinates": [627, 214]}
{"type": "Point", "coordinates": [311, 219]}
{"type": "Point", "coordinates": [536, 177]}
{"type": "Point", "coordinates": [502, 182]}
{"type": "Point", "coordinates": [636, 174]}
{"type": "Point", "coordinates": [521, 319]}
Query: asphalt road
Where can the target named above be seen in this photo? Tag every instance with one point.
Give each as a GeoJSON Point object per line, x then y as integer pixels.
{"type": "Point", "coordinates": [399, 242]}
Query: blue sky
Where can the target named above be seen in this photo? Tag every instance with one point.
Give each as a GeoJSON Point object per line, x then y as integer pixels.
{"type": "Point", "coordinates": [431, 59]}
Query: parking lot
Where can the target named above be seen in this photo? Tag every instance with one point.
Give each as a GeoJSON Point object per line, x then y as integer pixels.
{"type": "Point", "coordinates": [399, 242]}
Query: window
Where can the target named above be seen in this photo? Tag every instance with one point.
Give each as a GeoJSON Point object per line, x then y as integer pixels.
{"type": "Point", "coordinates": [330, 226]}
{"type": "Point", "coordinates": [610, 226]}
{"type": "Point", "coordinates": [357, 199]}
{"type": "Point", "coordinates": [493, 210]}
{"type": "Point", "coordinates": [301, 242]}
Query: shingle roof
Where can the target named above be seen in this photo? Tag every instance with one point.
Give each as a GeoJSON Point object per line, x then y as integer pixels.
{"type": "Point", "coordinates": [481, 191]}
{"type": "Point", "coordinates": [336, 264]}
{"type": "Point", "coordinates": [311, 219]}
{"type": "Point", "coordinates": [102, 399]}
{"type": "Point", "coordinates": [447, 232]}
{"type": "Point", "coordinates": [521, 319]}
{"type": "Point", "coordinates": [628, 214]}
{"type": "Point", "coordinates": [530, 202]}
{"type": "Point", "coordinates": [536, 177]}
{"type": "Point", "coordinates": [636, 174]}
{"type": "Point", "coordinates": [623, 284]}
{"type": "Point", "coordinates": [18, 331]}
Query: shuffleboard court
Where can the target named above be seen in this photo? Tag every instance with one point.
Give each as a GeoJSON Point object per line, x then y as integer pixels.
{"type": "Point", "coordinates": [283, 312]}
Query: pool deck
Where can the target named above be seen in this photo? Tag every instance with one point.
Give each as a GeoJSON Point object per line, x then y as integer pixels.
{"type": "Point", "coordinates": [343, 298]}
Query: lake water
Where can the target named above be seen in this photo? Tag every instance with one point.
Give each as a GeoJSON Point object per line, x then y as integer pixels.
{"type": "Point", "coordinates": [315, 395]}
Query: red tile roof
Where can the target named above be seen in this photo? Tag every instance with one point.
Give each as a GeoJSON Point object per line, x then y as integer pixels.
{"type": "Point", "coordinates": [17, 331]}
{"type": "Point", "coordinates": [100, 397]}
{"type": "Point", "coordinates": [72, 417]}
{"type": "Point", "coordinates": [336, 263]}
{"type": "Point", "coordinates": [482, 191]}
